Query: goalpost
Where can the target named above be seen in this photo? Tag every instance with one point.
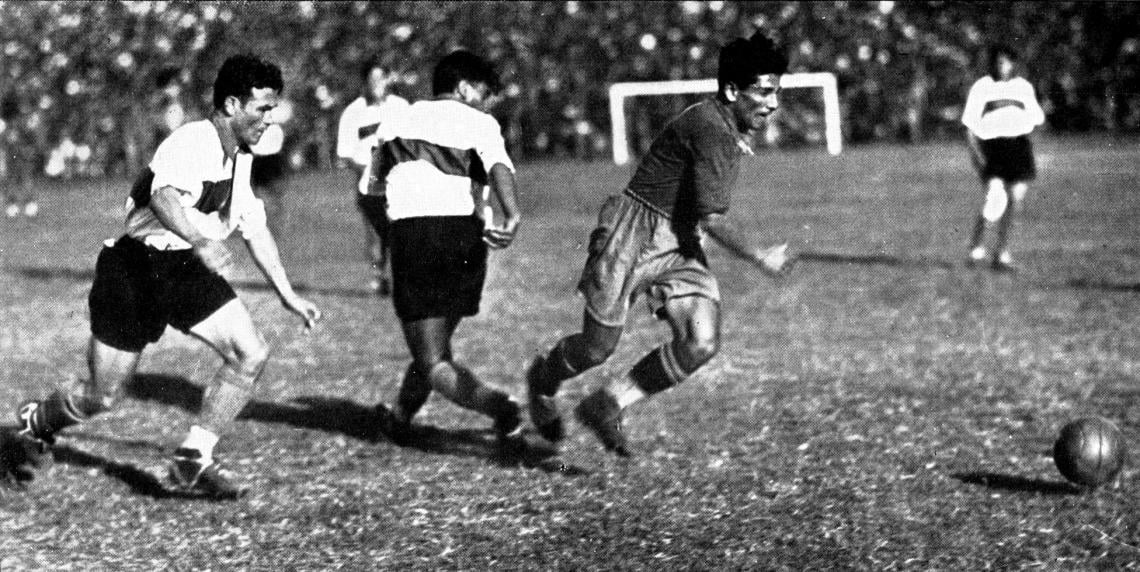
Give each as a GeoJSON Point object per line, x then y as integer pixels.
{"type": "Point", "coordinates": [619, 92]}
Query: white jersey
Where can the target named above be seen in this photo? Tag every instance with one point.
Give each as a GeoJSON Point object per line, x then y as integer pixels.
{"type": "Point", "coordinates": [436, 157]}
{"type": "Point", "coordinates": [356, 131]}
{"type": "Point", "coordinates": [215, 191]}
{"type": "Point", "coordinates": [1001, 108]}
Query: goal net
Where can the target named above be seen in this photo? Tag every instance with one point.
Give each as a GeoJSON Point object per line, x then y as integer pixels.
{"type": "Point", "coordinates": [812, 114]}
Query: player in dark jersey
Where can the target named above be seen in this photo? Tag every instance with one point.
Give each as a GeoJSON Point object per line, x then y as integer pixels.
{"type": "Point", "coordinates": [169, 268]}
{"type": "Point", "coordinates": [648, 243]}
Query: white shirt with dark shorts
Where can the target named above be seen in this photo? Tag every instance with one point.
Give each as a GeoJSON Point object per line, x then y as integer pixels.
{"type": "Point", "coordinates": [150, 277]}
{"type": "Point", "coordinates": [1002, 114]}
{"type": "Point", "coordinates": [433, 162]}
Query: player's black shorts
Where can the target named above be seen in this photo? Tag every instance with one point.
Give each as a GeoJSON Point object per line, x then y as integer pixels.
{"type": "Point", "coordinates": [1009, 159]}
{"type": "Point", "coordinates": [138, 291]}
{"type": "Point", "coordinates": [374, 209]}
{"type": "Point", "coordinates": [438, 266]}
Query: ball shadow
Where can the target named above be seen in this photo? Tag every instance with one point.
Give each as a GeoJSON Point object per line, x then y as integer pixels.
{"type": "Point", "coordinates": [1014, 483]}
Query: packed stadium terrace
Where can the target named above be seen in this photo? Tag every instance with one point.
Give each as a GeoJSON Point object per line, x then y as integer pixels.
{"type": "Point", "coordinates": [80, 80]}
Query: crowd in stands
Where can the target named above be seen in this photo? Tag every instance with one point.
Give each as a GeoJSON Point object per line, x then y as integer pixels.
{"type": "Point", "coordinates": [90, 78]}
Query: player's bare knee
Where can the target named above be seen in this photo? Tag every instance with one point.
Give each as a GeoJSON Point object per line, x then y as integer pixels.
{"type": "Point", "coordinates": [996, 201]}
{"type": "Point", "coordinates": [697, 351]}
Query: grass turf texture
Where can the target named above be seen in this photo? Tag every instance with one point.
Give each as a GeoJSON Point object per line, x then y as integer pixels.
{"type": "Point", "coordinates": [883, 408]}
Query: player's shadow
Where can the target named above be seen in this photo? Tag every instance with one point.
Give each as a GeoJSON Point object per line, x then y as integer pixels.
{"type": "Point", "coordinates": [1018, 484]}
{"type": "Point", "coordinates": [346, 417]}
{"type": "Point", "coordinates": [19, 465]}
{"type": "Point", "coordinates": [87, 275]}
{"type": "Point", "coordinates": [873, 260]}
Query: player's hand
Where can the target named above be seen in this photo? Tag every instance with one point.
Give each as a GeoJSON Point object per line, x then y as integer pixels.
{"type": "Point", "coordinates": [776, 261]}
{"type": "Point", "coordinates": [215, 256]}
{"type": "Point", "coordinates": [501, 236]}
{"type": "Point", "coordinates": [307, 310]}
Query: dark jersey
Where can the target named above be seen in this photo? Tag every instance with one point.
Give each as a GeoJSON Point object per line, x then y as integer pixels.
{"type": "Point", "coordinates": [691, 166]}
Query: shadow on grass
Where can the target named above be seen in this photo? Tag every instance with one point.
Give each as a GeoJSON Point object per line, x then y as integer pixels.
{"type": "Point", "coordinates": [1018, 484]}
{"type": "Point", "coordinates": [1086, 284]}
{"type": "Point", "coordinates": [87, 275]}
{"type": "Point", "coordinates": [336, 415]}
{"type": "Point", "coordinates": [873, 260]}
{"type": "Point", "coordinates": [22, 459]}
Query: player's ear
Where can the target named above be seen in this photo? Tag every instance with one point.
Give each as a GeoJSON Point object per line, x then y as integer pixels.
{"type": "Point", "coordinates": [730, 92]}
{"type": "Point", "coordinates": [231, 105]}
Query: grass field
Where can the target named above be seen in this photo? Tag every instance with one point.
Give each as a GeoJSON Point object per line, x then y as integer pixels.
{"type": "Point", "coordinates": [884, 408]}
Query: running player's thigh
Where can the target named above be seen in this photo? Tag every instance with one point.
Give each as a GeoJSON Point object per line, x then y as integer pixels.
{"type": "Point", "coordinates": [230, 330]}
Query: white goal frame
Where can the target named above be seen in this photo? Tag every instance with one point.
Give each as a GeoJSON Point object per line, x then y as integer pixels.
{"type": "Point", "coordinates": [619, 92]}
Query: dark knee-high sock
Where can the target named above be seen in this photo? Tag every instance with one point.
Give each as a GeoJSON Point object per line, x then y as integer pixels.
{"type": "Point", "coordinates": [460, 385]}
{"type": "Point", "coordinates": [414, 392]}
{"type": "Point", "coordinates": [1004, 229]}
{"type": "Point", "coordinates": [979, 234]}
{"type": "Point", "coordinates": [561, 364]}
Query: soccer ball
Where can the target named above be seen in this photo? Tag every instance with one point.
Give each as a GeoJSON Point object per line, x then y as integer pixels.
{"type": "Point", "coordinates": [1089, 451]}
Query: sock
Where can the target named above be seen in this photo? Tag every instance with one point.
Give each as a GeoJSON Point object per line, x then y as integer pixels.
{"type": "Point", "coordinates": [226, 397]}
{"type": "Point", "coordinates": [414, 392]}
{"type": "Point", "coordinates": [654, 373]}
{"type": "Point", "coordinates": [460, 385]}
{"type": "Point", "coordinates": [58, 411]}
{"type": "Point", "coordinates": [1005, 227]}
{"type": "Point", "coordinates": [557, 367]}
{"type": "Point", "coordinates": [978, 237]}
{"type": "Point", "coordinates": [201, 440]}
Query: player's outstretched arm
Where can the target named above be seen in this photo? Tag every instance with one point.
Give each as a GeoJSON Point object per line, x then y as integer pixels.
{"type": "Point", "coordinates": [774, 261]}
{"type": "Point", "coordinates": [264, 250]}
{"type": "Point", "coordinates": [172, 214]}
{"type": "Point", "coordinates": [503, 185]}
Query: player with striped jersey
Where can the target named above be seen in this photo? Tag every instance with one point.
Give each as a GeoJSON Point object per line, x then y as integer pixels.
{"type": "Point", "coordinates": [170, 267]}
{"type": "Point", "coordinates": [356, 138]}
{"type": "Point", "coordinates": [433, 160]}
{"type": "Point", "coordinates": [1001, 111]}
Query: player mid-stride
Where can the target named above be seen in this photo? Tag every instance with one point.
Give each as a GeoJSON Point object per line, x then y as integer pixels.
{"type": "Point", "coordinates": [168, 270]}
{"type": "Point", "coordinates": [432, 161]}
{"type": "Point", "coordinates": [648, 243]}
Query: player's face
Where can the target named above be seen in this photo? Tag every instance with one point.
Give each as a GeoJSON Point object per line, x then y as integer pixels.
{"type": "Point", "coordinates": [252, 118]}
{"type": "Point", "coordinates": [377, 84]}
{"type": "Point", "coordinates": [1004, 66]}
{"type": "Point", "coordinates": [754, 104]}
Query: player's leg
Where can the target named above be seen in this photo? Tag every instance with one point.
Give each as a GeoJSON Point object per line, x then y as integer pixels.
{"type": "Point", "coordinates": [996, 203]}
{"type": "Point", "coordinates": [1003, 260]}
{"type": "Point", "coordinates": [695, 322]}
{"type": "Point", "coordinates": [110, 369]}
{"type": "Point", "coordinates": [376, 226]}
{"type": "Point", "coordinates": [230, 331]}
{"type": "Point", "coordinates": [569, 357]}
{"type": "Point", "coordinates": [429, 340]}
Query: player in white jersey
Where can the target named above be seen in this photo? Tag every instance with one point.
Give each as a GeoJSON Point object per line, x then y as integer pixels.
{"type": "Point", "coordinates": [169, 268]}
{"type": "Point", "coordinates": [356, 138]}
{"type": "Point", "coordinates": [431, 162]}
{"type": "Point", "coordinates": [1001, 111]}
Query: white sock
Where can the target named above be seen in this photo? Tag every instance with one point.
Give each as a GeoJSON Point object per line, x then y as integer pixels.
{"type": "Point", "coordinates": [978, 253]}
{"type": "Point", "coordinates": [201, 440]}
{"type": "Point", "coordinates": [626, 392]}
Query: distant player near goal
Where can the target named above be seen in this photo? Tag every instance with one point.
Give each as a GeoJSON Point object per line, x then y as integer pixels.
{"type": "Point", "coordinates": [356, 138]}
{"type": "Point", "coordinates": [169, 267]}
{"type": "Point", "coordinates": [648, 242]}
{"type": "Point", "coordinates": [1001, 111]}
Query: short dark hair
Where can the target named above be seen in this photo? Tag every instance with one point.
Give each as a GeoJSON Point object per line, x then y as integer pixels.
{"type": "Point", "coordinates": [241, 74]}
{"type": "Point", "coordinates": [742, 61]}
{"type": "Point", "coordinates": [373, 63]}
{"type": "Point", "coordinates": [463, 65]}
{"type": "Point", "coordinates": [996, 52]}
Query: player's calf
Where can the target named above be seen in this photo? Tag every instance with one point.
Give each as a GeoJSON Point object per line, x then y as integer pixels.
{"type": "Point", "coordinates": [541, 402]}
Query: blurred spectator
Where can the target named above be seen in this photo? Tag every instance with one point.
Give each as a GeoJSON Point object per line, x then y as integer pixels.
{"type": "Point", "coordinates": [18, 158]}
